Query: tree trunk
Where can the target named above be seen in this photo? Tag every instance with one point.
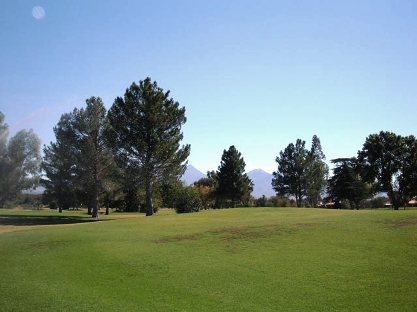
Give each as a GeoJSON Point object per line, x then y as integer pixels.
{"type": "Point", "coordinates": [95, 202]}
{"type": "Point", "coordinates": [395, 199]}
{"type": "Point", "coordinates": [298, 200]}
{"type": "Point", "coordinates": [95, 205]}
{"type": "Point", "coordinates": [149, 204]}
{"type": "Point", "coordinates": [95, 194]}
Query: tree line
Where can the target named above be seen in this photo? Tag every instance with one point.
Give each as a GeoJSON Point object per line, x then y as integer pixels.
{"type": "Point", "coordinates": [386, 164]}
{"type": "Point", "coordinates": [131, 158]}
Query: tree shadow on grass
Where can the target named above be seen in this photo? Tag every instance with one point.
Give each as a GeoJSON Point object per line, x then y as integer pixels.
{"type": "Point", "coordinates": [19, 220]}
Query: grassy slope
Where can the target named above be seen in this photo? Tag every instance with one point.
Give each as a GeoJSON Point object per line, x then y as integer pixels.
{"type": "Point", "coordinates": [228, 260]}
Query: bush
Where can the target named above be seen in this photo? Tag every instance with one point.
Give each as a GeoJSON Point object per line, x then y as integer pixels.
{"type": "Point", "coordinates": [169, 192]}
{"type": "Point", "coordinates": [188, 200]}
{"type": "Point", "coordinates": [261, 202]}
{"type": "Point", "coordinates": [277, 201]}
{"type": "Point", "coordinates": [378, 202]}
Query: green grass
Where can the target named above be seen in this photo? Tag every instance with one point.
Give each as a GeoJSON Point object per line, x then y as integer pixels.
{"type": "Point", "coordinates": [249, 259]}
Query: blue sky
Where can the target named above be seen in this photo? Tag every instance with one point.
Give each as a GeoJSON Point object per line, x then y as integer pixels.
{"type": "Point", "coordinates": [254, 74]}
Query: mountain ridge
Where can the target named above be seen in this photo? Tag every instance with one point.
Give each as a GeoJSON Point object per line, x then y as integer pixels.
{"type": "Point", "coordinates": [260, 178]}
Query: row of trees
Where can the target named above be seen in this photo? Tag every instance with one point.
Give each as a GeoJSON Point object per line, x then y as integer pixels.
{"type": "Point", "coordinates": [387, 163]}
{"type": "Point", "coordinates": [119, 153]}
{"type": "Point", "coordinates": [130, 157]}
{"type": "Point", "coordinates": [127, 157]}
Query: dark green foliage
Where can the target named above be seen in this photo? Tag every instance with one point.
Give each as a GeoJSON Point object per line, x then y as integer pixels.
{"type": "Point", "coordinates": [146, 135]}
{"type": "Point", "coordinates": [317, 173]}
{"type": "Point", "coordinates": [389, 162]}
{"type": "Point", "coordinates": [378, 202]}
{"type": "Point", "coordinates": [346, 183]}
{"type": "Point", "coordinates": [174, 194]}
{"type": "Point", "coordinates": [131, 201]}
{"type": "Point", "coordinates": [30, 199]}
{"type": "Point", "coordinates": [233, 184]}
{"type": "Point", "coordinates": [170, 191]}
{"type": "Point", "coordinates": [188, 200]}
{"type": "Point", "coordinates": [291, 176]}
{"type": "Point", "coordinates": [301, 172]}
{"type": "Point", "coordinates": [95, 162]}
{"type": "Point", "coordinates": [53, 205]}
{"type": "Point", "coordinates": [79, 163]}
{"type": "Point", "coordinates": [58, 165]}
{"type": "Point", "coordinates": [261, 202]}
{"type": "Point", "coordinates": [282, 202]}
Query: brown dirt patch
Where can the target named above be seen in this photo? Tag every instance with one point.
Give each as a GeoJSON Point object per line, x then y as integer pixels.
{"type": "Point", "coordinates": [177, 238]}
{"type": "Point", "coordinates": [306, 224]}
{"type": "Point", "coordinates": [411, 221]}
{"type": "Point", "coordinates": [228, 234]}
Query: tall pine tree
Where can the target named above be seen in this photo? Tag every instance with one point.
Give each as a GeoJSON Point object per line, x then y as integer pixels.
{"type": "Point", "coordinates": [146, 135]}
{"type": "Point", "coordinates": [318, 172]}
{"type": "Point", "coordinates": [79, 162]}
{"type": "Point", "coordinates": [233, 184]}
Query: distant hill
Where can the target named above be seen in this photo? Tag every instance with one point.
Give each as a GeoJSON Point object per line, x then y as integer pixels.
{"type": "Point", "coordinates": [262, 183]}
{"type": "Point", "coordinates": [191, 175]}
{"type": "Point", "coordinates": [261, 180]}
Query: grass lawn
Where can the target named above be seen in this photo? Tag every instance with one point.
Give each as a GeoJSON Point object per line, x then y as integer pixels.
{"type": "Point", "coordinates": [246, 259]}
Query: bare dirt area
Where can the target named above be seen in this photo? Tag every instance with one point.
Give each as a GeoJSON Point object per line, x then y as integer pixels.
{"type": "Point", "coordinates": [402, 222]}
{"type": "Point", "coordinates": [228, 234]}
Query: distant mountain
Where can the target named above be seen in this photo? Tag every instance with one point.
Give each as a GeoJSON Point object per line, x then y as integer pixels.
{"type": "Point", "coordinates": [191, 175]}
{"type": "Point", "coordinates": [262, 183]}
{"type": "Point", "coordinates": [261, 180]}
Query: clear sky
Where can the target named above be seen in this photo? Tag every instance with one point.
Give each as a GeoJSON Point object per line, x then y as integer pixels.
{"type": "Point", "coordinates": [254, 74]}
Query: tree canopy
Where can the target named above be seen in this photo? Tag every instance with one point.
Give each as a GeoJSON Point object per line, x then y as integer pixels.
{"type": "Point", "coordinates": [346, 183]}
{"type": "Point", "coordinates": [232, 182]}
{"type": "Point", "coordinates": [389, 161]}
{"type": "Point", "coordinates": [146, 134]}
{"type": "Point", "coordinates": [317, 173]}
{"type": "Point", "coordinates": [301, 172]}
{"type": "Point", "coordinates": [19, 162]}
{"type": "Point", "coordinates": [78, 163]}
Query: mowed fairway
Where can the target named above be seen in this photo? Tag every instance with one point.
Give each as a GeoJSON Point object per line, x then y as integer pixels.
{"type": "Point", "coordinates": [247, 259]}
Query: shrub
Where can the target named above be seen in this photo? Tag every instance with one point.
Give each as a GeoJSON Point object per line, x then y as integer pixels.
{"type": "Point", "coordinates": [277, 201]}
{"type": "Point", "coordinates": [188, 200]}
{"type": "Point", "coordinates": [261, 202]}
{"type": "Point", "coordinates": [378, 202]}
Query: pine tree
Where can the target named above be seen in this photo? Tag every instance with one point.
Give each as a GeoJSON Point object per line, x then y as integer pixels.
{"type": "Point", "coordinates": [79, 162]}
{"type": "Point", "coordinates": [317, 173]}
{"type": "Point", "coordinates": [146, 135]}
{"type": "Point", "coordinates": [301, 172]}
{"type": "Point", "coordinates": [233, 184]}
